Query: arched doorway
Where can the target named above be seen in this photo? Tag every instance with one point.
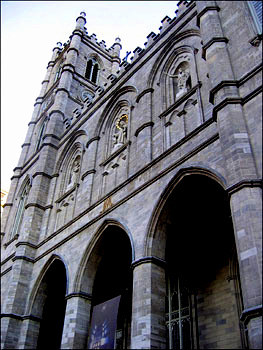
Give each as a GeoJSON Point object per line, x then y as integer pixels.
{"type": "Point", "coordinates": [112, 257]}
{"type": "Point", "coordinates": [203, 295]}
{"type": "Point", "coordinates": [49, 305]}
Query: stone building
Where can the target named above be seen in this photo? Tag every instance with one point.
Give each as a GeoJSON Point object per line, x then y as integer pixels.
{"type": "Point", "coordinates": [142, 179]}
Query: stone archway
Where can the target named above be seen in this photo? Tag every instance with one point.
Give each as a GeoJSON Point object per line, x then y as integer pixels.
{"type": "Point", "coordinates": [49, 306]}
{"type": "Point", "coordinates": [104, 274]}
{"type": "Point", "coordinates": [200, 296]}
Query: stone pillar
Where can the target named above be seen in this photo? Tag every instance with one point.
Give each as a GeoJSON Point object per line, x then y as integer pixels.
{"type": "Point", "coordinates": [116, 56]}
{"type": "Point", "coordinates": [76, 322]}
{"type": "Point", "coordinates": [148, 307]}
{"type": "Point", "coordinates": [246, 207]}
{"type": "Point", "coordinates": [241, 171]}
{"type": "Point", "coordinates": [29, 333]}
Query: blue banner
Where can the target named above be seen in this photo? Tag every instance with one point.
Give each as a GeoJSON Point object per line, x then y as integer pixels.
{"type": "Point", "coordinates": [103, 325]}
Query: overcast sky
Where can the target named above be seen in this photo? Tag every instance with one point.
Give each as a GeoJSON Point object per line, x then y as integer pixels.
{"type": "Point", "coordinates": [29, 32]}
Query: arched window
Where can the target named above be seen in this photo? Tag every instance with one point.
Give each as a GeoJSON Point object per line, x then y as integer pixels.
{"type": "Point", "coordinates": [92, 70]}
{"type": "Point", "coordinates": [20, 209]}
{"type": "Point", "coordinates": [255, 8]}
{"type": "Point", "coordinates": [41, 134]}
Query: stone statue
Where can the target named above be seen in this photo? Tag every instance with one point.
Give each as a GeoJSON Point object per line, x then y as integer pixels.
{"type": "Point", "coordinates": [181, 77]}
{"type": "Point", "coordinates": [120, 137]}
{"type": "Point", "coordinates": [74, 173]}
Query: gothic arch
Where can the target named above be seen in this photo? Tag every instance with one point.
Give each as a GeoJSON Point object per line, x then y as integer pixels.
{"type": "Point", "coordinates": [111, 105]}
{"type": "Point", "coordinates": [36, 286]}
{"type": "Point", "coordinates": [68, 147]}
{"type": "Point", "coordinates": [168, 51]}
{"type": "Point", "coordinates": [87, 256]}
{"type": "Point", "coordinates": [211, 173]}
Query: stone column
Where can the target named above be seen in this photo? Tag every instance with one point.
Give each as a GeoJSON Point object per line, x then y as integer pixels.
{"type": "Point", "coordinates": [148, 307]}
{"type": "Point", "coordinates": [241, 172]}
{"type": "Point", "coordinates": [76, 322]}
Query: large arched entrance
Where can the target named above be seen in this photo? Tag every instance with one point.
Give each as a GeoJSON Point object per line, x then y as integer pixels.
{"type": "Point", "coordinates": [203, 296]}
{"type": "Point", "coordinates": [107, 275]}
{"type": "Point", "coordinates": [49, 305]}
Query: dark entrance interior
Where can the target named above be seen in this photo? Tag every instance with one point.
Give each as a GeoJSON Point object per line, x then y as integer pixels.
{"type": "Point", "coordinates": [114, 278]}
{"type": "Point", "coordinates": [203, 296]}
{"type": "Point", "coordinates": [51, 294]}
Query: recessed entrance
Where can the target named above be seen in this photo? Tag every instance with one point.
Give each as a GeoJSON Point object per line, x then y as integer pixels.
{"type": "Point", "coordinates": [203, 294]}
{"type": "Point", "coordinates": [50, 301]}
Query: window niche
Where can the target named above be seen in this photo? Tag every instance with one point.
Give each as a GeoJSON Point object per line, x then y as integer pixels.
{"type": "Point", "coordinates": [41, 133]}
{"type": "Point", "coordinates": [92, 70]}
{"type": "Point", "coordinates": [22, 199]}
{"type": "Point", "coordinates": [66, 201]}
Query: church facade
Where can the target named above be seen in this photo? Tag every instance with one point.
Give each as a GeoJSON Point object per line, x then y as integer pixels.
{"type": "Point", "coordinates": [138, 189]}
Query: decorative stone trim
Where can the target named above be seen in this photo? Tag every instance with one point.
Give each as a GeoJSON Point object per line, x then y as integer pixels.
{"type": "Point", "coordinates": [208, 8]}
{"type": "Point", "coordinates": [57, 111]}
{"type": "Point", "coordinates": [92, 171]}
{"type": "Point", "coordinates": [67, 193]}
{"type": "Point", "coordinates": [7, 259]}
{"type": "Point", "coordinates": [7, 205]}
{"type": "Point", "coordinates": [97, 138]}
{"type": "Point", "coordinates": [251, 313]}
{"type": "Point", "coordinates": [21, 318]}
{"type": "Point", "coordinates": [83, 295]}
{"type": "Point", "coordinates": [41, 173]}
{"type": "Point", "coordinates": [236, 83]}
{"type": "Point", "coordinates": [244, 183]}
{"type": "Point", "coordinates": [36, 205]}
{"type": "Point", "coordinates": [149, 259]}
{"type": "Point", "coordinates": [23, 257]}
{"type": "Point", "coordinates": [143, 127]}
{"type": "Point", "coordinates": [6, 271]}
{"type": "Point", "coordinates": [256, 41]}
{"type": "Point", "coordinates": [184, 97]}
{"type": "Point", "coordinates": [235, 100]}
{"type": "Point", "coordinates": [143, 93]}
{"type": "Point", "coordinates": [26, 144]}
{"type": "Point", "coordinates": [211, 42]}
{"type": "Point", "coordinates": [113, 155]}
{"type": "Point", "coordinates": [11, 240]}
{"type": "Point", "coordinates": [31, 245]}
{"type": "Point", "coordinates": [52, 135]}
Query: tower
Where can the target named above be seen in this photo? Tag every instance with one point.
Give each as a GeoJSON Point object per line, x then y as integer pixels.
{"type": "Point", "coordinates": [138, 190]}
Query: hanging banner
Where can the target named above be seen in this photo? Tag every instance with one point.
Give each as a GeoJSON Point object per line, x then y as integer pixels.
{"type": "Point", "coordinates": [103, 324]}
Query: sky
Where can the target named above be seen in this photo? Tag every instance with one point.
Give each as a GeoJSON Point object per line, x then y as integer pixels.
{"type": "Point", "coordinates": [30, 31]}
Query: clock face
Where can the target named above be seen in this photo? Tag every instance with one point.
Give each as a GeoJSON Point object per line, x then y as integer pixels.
{"type": "Point", "coordinates": [86, 95]}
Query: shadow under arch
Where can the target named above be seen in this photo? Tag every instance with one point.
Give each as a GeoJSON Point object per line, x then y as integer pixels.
{"type": "Point", "coordinates": [78, 283]}
{"type": "Point", "coordinates": [48, 304]}
{"type": "Point", "coordinates": [192, 231]}
{"type": "Point", "coordinates": [192, 170]}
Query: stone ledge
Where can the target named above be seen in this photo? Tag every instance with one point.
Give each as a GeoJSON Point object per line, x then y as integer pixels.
{"type": "Point", "coordinates": [251, 313]}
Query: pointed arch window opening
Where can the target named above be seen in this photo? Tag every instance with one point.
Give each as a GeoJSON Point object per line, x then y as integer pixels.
{"type": "Point", "coordinates": [20, 209]}
{"type": "Point", "coordinates": [41, 134]}
{"type": "Point", "coordinates": [58, 73]}
{"type": "Point", "coordinates": [181, 315]}
{"type": "Point", "coordinates": [92, 71]}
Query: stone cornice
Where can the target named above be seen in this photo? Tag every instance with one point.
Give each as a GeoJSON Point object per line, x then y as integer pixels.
{"type": "Point", "coordinates": [143, 93]}
{"type": "Point", "coordinates": [92, 171]}
{"type": "Point", "coordinates": [235, 100]}
{"type": "Point", "coordinates": [207, 8]}
{"type": "Point", "coordinates": [23, 257]}
{"type": "Point", "coordinates": [145, 125]}
{"type": "Point", "coordinates": [236, 83]}
{"type": "Point", "coordinates": [67, 193]}
{"type": "Point", "coordinates": [180, 100]}
{"type": "Point", "coordinates": [97, 138]}
{"type": "Point", "coordinates": [41, 173]}
{"type": "Point", "coordinates": [149, 259]}
{"type": "Point", "coordinates": [7, 205]}
{"type": "Point", "coordinates": [82, 295]}
{"type": "Point", "coordinates": [211, 42]}
{"type": "Point", "coordinates": [244, 183]}
{"type": "Point", "coordinates": [35, 205]}
{"type": "Point", "coordinates": [113, 155]}
{"type": "Point", "coordinates": [251, 313]}
{"type": "Point", "coordinates": [21, 318]}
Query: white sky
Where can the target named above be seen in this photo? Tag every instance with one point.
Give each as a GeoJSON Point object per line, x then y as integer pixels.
{"type": "Point", "coordinates": [29, 32]}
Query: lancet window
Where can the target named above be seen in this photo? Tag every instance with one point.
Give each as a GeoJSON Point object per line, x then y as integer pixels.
{"type": "Point", "coordinates": [92, 70]}
{"type": "Point", "coordinates": [20, 209]}
{"type": "Point", "coordinates": [41, 134]}
{"type": "Point", "coordinates": [180, 310]}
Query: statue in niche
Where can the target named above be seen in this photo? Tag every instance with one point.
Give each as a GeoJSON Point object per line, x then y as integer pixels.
{"type": "Point", "coordinates": [181, 77]}
{"type": "Point", "coordinates": [120, 136]}
{"type": "Point", "coordinates": [73, 177]}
